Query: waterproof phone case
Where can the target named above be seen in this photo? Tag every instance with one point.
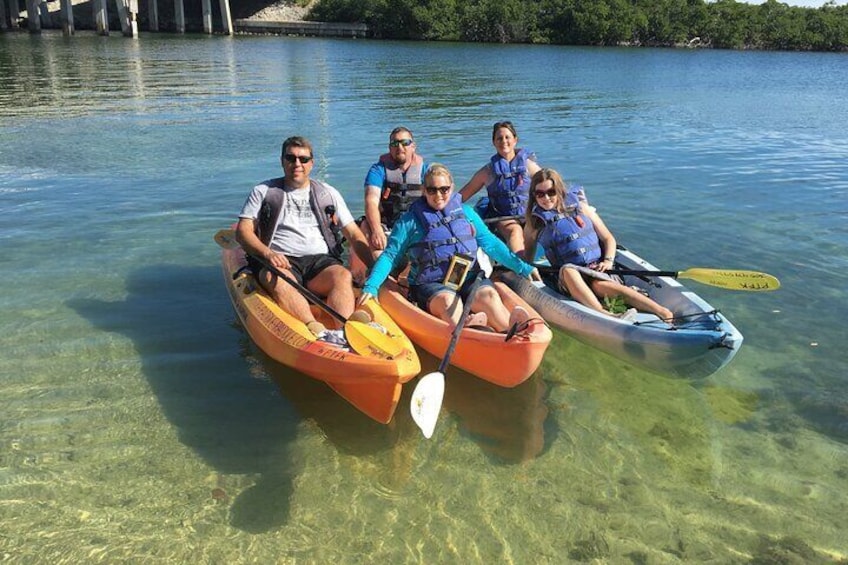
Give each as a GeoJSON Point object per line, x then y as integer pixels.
{"type": "Point", "coordinates": [458, 269]}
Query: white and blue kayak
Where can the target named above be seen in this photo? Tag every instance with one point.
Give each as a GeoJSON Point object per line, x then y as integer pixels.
{"type": "Point", "coordinates": [700, 342]}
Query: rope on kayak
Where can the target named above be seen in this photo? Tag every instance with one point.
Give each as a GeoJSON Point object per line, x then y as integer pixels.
{"type": "Point", "coordinates": [520, 328]}
{"type": "Point", "coordinates": [723, 342]}
{"type": "Point", "coordinates": [678, 321]}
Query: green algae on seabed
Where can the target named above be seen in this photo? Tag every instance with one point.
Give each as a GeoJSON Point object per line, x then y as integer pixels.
{"type": "Point", "coordinates": [593, 547]}
{"type": "Point", "coordinates": [731, 406]}
{"type": "Point", "coordinates": [788, 550]}
{"type": "Point", "coordinates": [666, 416]}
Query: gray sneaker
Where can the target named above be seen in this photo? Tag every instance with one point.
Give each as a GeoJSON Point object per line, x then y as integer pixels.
{"type": "Point", "coordinates": [334, 337]}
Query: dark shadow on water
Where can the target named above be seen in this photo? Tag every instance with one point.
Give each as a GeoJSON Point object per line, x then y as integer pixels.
{"type": "Point", "coordinates": [346, 427]}
{"type": "Point", "coordinates": [815, 403]}
{"type": "Point", "coordinates": [510, 425]}
{"type": "Point", "coordinates": [221, 394]}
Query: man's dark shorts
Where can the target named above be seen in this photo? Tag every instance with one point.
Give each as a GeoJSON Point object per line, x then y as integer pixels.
{"type": "Point", "coordinates": [305, 268]}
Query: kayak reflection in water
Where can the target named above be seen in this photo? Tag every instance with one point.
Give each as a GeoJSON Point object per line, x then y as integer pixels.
{"type": "Point", "coordinates": [508, 424]}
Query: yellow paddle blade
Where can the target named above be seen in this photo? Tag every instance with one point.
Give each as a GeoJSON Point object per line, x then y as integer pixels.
{"type": "Point", "coordinates": [730, 279]}
{"type": "Point", "coordinates": [368, 341]}
{"type": "Point", "coordinates": [226, 239]}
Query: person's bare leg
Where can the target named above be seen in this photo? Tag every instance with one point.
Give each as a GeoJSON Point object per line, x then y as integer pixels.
{"type": "Point", "coordinates": [633, 298]}
{"type": "Point", "coordinates": [513, 234]}
{"type": "Point", "coordinates": [446, 306]}
{"type": "Point", "coordinates": [488, 301]}
{"type": "Point", "coordinates": [357, 267]}
{"type": "Point", "coordinates": [288, 297]}
{"type": "Point", "coordinates": [335, 282]}
{"type": "Point", "coordinates": [572, 280]}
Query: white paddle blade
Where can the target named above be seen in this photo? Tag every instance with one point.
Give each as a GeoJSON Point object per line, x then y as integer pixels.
{"type": "Point", "coordinates": [427, 402]}
{"type": "Point", "coordinates": [484, 262]}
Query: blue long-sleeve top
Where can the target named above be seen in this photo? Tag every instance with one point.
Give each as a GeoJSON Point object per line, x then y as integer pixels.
{"type": "Point", "coordinates": [407, 231]}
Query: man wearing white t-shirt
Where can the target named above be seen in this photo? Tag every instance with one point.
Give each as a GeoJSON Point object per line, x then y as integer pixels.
{"type": "Point", "coordinates": [296, 224]}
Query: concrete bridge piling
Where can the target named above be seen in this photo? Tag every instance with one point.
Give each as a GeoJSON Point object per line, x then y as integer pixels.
{"type": "Point", "coordinates": [59, 14]}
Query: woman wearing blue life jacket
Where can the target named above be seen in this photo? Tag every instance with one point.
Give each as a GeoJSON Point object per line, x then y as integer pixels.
{"type": "Point", "coordinates": [433, 233]}
{"type": "Point", "coordinates": [506, 177]}
{"type": "Point", "coordinates": [577, 241]}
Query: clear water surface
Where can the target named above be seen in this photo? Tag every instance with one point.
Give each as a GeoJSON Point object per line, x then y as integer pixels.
{"type": "Point", "coordinates": [139, 423]}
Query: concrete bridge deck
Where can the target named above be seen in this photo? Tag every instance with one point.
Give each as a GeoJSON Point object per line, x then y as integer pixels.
{"type": "Point", "coordinates": [319, 29]}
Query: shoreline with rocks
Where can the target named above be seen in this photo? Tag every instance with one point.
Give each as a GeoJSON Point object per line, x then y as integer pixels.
{"type": "Point", "coordinates": [282, 11]}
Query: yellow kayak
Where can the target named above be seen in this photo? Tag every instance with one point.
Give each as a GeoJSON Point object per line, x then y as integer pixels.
{"type": "Point", "coordinates": [371, 383]}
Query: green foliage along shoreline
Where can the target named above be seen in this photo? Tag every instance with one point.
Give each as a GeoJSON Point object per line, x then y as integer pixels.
{"type": "Point", "coordinates": [725, 24]}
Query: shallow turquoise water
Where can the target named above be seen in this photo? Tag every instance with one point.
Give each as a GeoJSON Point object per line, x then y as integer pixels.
{"type": "Point", "coordinates": [139, 422]}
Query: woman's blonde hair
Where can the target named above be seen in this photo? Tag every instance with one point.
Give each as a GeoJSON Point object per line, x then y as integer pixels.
{"type": "Point", "coordinates": [437, 169]}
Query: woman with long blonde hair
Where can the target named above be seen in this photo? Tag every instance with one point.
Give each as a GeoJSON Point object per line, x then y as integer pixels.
{"type": "Point", "coordinates": [577, 243]}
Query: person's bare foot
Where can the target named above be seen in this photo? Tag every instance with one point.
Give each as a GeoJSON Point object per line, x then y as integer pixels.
{"type": "Point", "coordinates": [476, 319]}
{"type": "Point", "coordinates": [627, 316]}
{"type": "Point", "coordinates": [316, 327]}
{"type": "Point", "coordinates": [666, 315]}
{"type": "Point", "coordinates": [518, 316]}
{"type": "Point", "coordinates": [360, 316]}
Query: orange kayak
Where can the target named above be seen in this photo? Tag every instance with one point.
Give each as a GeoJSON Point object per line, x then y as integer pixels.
{"type": "Point", "coordinates": [372, 385]}
{"type": "Point", "coordinates": [483, 354]}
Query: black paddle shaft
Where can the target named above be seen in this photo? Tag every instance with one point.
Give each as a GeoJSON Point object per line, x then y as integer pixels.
{"type": "Point", "coordinates": [311, 296]}
{"type": "Point", "coordinates": [634, 272]}
{"type": "Point", "coordinates": [637, 273]}
{"type": "Point", "coordinates": [466, 309]}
